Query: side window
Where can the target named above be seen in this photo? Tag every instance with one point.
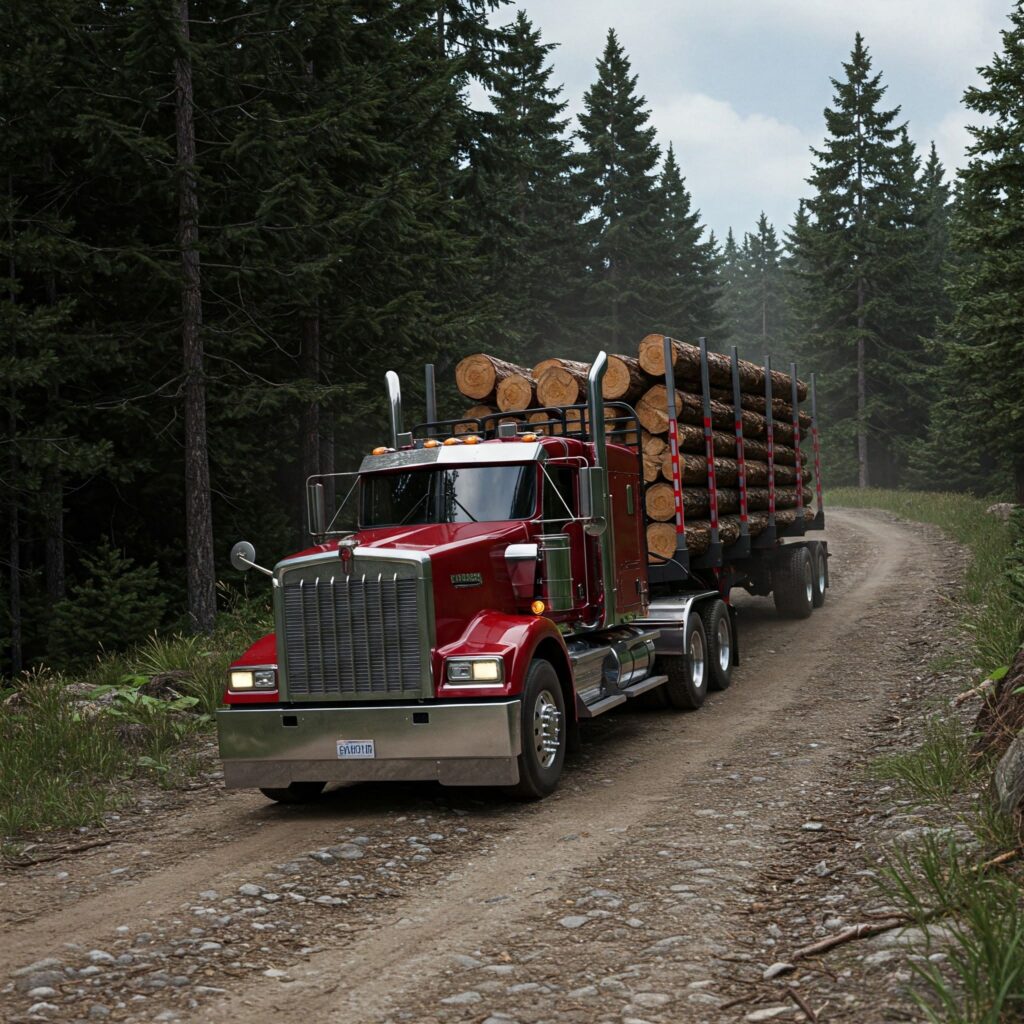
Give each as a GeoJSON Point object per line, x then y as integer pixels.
{"type": "Point", "coordinates": [559, 492]}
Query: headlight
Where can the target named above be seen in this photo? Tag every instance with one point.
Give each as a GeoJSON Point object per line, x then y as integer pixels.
{"type": "Point", "coordinates": [475, 671]}
{"type": "Point", "coordinates": [252, 679]}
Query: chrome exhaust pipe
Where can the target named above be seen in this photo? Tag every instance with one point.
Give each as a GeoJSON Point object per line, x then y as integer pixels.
{"type": "Point", "coordinates": [394, 405]}
{"type": "Point", "coordinates": [606, 537]}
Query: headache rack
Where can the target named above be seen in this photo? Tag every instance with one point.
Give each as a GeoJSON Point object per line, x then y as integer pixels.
{"type": "Point", "coordinates": [621, 424]}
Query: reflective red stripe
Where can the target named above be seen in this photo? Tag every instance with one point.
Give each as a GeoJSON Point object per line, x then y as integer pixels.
{"type": "Point", "coordinates": [677, 479]}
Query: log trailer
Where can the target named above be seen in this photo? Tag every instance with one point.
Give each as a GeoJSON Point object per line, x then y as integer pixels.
{"type": "Point", "coordinates": [496, 594]}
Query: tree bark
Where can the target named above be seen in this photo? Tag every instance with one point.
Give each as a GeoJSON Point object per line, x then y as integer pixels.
{"type": "Point", "coordinates": [310, 372]}
{"type": "Point", "coordinates": [862, 392]}
{"type": "Point", "coordinates": [13, 511]}
{"type": "Point", "coordinates": [202, 600]}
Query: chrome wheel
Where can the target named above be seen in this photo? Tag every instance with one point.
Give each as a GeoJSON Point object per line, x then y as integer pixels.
{"type": "Point", "coordinates": [809, 580]}
{"type": "Point", "coordinates": [697, 666]}
{"type": "Point", "coordinates": [547, 728]}
{"type": "Point", "coordinates": [821, 573]}
{"type": "Point", "coordinates": [723, 635]}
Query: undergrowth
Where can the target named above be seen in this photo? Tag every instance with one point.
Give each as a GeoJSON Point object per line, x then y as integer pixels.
{"type": "Point", "coordinates": [71, 745]}
{"type": "Point", "coordinates": [967, 879]}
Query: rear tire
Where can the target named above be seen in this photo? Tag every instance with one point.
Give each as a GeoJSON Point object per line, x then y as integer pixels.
{"type": "Point", "coordinates": [718, 630]}
{"type": "Point", "coordinates": [820, 562]}
{"type": "Point", "coordinates": [687, 685]}
{"type": "Point", "coordinates": [793, 582]}
{"type": "Point", "coordinates": [296, 793]}
{"type": "Point", "coordinates": [543, 731]}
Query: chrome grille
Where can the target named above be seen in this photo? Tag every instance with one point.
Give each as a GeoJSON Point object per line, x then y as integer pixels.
{"type": "Point", "coordinates": [353, 635]}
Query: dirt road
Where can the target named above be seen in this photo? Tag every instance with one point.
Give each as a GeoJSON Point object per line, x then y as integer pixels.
{"type": "Point", "coordinates": [683, 855]}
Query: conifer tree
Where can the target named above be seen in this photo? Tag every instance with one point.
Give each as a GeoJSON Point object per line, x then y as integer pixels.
{"type": "Point", "coordinates": [986, 350]}
{"type": "Point", "coordinates": [618, 183]}
{"type": "Point", "coordinates": [854, 247]}
{"type": "Point", "coordinates": [684, 266]}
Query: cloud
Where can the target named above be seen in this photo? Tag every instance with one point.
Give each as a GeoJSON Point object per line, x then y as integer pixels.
{"type": "Point", "coordinates": [743, 163]}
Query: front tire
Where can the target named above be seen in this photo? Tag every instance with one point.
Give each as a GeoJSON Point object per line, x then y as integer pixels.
{"type": "Point", "coordinates": [718, 630]}
{"type": "Point", "coordinates": [296, 793]}
{"type": "Point", "coordinates": [793, 582]}
{"type": "Point", "coordinates": [543, 731]}
{"type": "Point", "coordinates": [687, 685]}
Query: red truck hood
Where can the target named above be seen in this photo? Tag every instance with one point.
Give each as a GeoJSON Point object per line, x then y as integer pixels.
{"type": "Point", "coordinates": [443, 540]}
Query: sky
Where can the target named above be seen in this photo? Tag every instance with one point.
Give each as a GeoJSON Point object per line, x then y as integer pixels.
{"type": "Point", "coordinates": [739, 86]}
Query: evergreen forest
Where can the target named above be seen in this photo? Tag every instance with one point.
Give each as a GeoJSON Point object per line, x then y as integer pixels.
{"type": "Point", "coordinates": [223, 220]}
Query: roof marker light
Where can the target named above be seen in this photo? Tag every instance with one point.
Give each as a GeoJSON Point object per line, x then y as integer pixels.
{"type": "Point", "coordinates": [527, 437]}
{"type": "Point", "coordinates": [471, 439]}
{"type": "Point", "coordinates": [432, 442]}
{"type": "Point", "coordinates": [452, 440]}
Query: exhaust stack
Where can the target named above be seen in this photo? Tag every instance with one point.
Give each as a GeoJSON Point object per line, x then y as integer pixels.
{"type": "Point", "coordinates": [598, 487]}
{"type": "Point", "coordinates": [394, 405]}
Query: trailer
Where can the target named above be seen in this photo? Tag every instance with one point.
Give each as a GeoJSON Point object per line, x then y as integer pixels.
{"type": "Point", "coordinates": [495, 594]}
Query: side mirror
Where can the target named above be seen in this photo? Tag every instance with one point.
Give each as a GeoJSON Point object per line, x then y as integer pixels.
{"type": "Point", "coordinates": [594, 500]}
{"type": "Point", "coordinates": [243, 556]}
{"type": "Point", "coordinates": [316, 507]}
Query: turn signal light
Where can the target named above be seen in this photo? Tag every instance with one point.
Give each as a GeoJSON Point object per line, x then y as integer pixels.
{"type": "Point", "coordinates": [471, 439]}
{"type": "Point", "coordinates": [432, 442]}
{"type": "Point", "coordinates": [452, 440]}
{"type": "Point", "coordinates": [538, 607]}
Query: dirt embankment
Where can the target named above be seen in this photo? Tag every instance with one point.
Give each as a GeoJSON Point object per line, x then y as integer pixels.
{"type": "Point", "coordinates": [683, 856]}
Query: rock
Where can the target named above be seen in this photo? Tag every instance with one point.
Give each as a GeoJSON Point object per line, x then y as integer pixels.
{"type": "Point", "coordinates": [348, 851]}
{"type": "Point", "coordinates": [40, 979]}
{"type": "Point", "coordinates": [270, 897]}
{"type": "Point", "coordinates": [1008, 780]}
{"type": "Point", "coordinates": [468, 962]}
{"type": "Point", "coordinates": [98, 1011]}
{"type": "Point", "coordinates": [573, 921]}
{"type": "Point", "coordinates": [43, 1009]}
{"type": "Point", "coordinates": [275, 972]}
{"type": "Point", "coordinates": [462, 999]}
{"type": "Point", "coordinates": [1001, 510]}
{"type": "Point", "coordinates": [39, 965]}
{"type": "Point", "coordinates": [209, 947]}
{"type": "Point", "coordinates": [776, 969]}
{"type": "Point", "coordinates": [208, 990]}
{"type": "Point", "coordinates": [250, 889]}
{"type": "Point", "coordinates": [651, 1000]}
{"type": "Point", "coordinates": [807, 826]}
{"type": "Point", "coordinates": [43, 992]}
{"type": "Point", "coordinates": [768, 1013]}
{"type": "Point", "coordinates": [323, 857]}
{"type": "Point", "coordinates": [100, 956]}
{"type": "Point", "coordinates": [587, 992]}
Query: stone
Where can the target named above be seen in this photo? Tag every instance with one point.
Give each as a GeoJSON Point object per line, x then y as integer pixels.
{"type": "Point", "coordinates": [209, 947]}
{"type": "Point", "coordinates": [462, 999]}
{"type": "Point", "coordinates": [768, 1013]}
{"type": "Point", "coordinates": [651, 1000]}
{"type": "Point", "coordinates": [573, 921]}
{"type": "Point", "coordinates": [468, 962]}
{"type": "Point", "coordinates": [43, 992]}
{"type": "Point", "coordinates": [98, 1011]}
{"type": "Point", "coordinates": [348, 851]}
{"type": "Point", "coordinates": [39, 965]}
{"type": "Point", "coordinates": [1008, 780]}
{"type": "Point", "coordinates": [275, 972]}
{"type": "Point", "coordinates": [39, 979]}
{"type": "Point", "coordinates": [208, 990]}
{"type": "Point", "coordinates": [586, 992]}
{"type": "Point", "coordinates": [807, 826]}
{"type": "Point", "coordinates": [776, 969]}
{"type": "Point", "coordinates": [323, 857]}
{"type": "Point", "coordinates": [250, 889]}
{"type": "Point", "coordinates": [42, 1009]}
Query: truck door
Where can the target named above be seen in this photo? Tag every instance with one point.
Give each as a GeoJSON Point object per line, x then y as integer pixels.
{"type": "Point", "coordinates": [627, 524]}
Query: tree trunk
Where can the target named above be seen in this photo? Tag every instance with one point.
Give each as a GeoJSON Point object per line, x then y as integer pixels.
{"type": "Point", "coordinates": [1018, 478]}
{"type": "Point", "coordinates": [310, 372]}
{"type": "Point", "coordinates": [202, 600]}
{"type": "Point", "coordinates": [13, 526]}
{"type": "Point", "coordinates": [862, 392]}
{"type": "Point", "coordinates": [54, 483]}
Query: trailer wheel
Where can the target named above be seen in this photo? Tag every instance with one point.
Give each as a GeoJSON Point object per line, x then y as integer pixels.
{"type": "Point", "coordinates": [718, 630]}
{"type": "Point", "coordinates": [296, 793]}
{"type": "Point", "coordinates": [687, 684]}
{"type": "Point", "coordinates": [793, 582]}
{"type": "Point", "coordinates": [543, 729]}
{"type": "Point", "coordinates": [820, 575]}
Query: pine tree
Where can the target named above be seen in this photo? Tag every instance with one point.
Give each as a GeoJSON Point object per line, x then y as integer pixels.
{"type": "Point", "coordinates": [854, 249]}
{"type": "Point", "coordinates": [524, 208]}
{"type": "Point", "coordinates": [986, 350]}
{"type": "Point", "coordinates": [618, 183]}
{"type": "Point", "coordinates": [684, 264]}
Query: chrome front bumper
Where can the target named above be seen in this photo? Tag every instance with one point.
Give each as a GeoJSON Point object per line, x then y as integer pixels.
{"type": "Point", "coordinates": [471, 744]}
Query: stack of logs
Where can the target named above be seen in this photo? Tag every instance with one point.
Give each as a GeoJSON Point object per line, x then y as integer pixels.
{"type": "Point", "coordinates": [498, 386]}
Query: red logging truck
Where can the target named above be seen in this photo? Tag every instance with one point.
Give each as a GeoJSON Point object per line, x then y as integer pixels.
{"type": "Point", "coordinates": [495, 594]}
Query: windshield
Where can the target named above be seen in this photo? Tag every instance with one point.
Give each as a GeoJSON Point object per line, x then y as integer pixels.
{"type": "Point", "coordinates": [469, 495]}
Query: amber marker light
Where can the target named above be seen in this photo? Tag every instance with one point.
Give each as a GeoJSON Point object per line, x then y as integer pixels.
{"type": "Point", "coordinates": [432, 443]}
{"type": "Point", "coordinates": [472, 439]}
{"type": "Point", "coordinates": [379, 451]}
{"type": "Point", "coordinates": [452, 440]}
{"type": "Point", "coordinates": [527, 437]}
{"type": "Point", "coordinates": [538, 607]}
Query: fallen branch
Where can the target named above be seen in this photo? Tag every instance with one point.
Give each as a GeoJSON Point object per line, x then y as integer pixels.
{"type": "Point", "coordinates": [1003, 858]}
{"type": "Point", "coordinates": [59, 854]}
{"type": "Point", "coordinates": [976, 691]}
{"type": "Point", "coordinates": [858, 931]}
{"type": "Point", "coordinates": [798, 999]}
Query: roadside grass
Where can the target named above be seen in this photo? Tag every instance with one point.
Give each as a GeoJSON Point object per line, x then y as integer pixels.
{"type": "Point", "coordinates": [991, 614]}
{"type": "Point", "coordinates": [71, 748]}
{"type": "Point", "coordinates": [971, 884]}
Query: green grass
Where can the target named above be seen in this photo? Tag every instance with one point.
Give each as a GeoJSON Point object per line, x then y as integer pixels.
{"type": "Point", "coordinates": [994, 619]}
{"type": "Point", "coordinates": [935, 770]}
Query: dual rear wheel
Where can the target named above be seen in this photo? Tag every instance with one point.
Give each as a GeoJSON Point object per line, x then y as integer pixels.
{"type": "Point", "coordinates": [707, 663]}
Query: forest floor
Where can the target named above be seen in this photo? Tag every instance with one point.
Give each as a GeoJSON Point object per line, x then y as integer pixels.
{"type": "Point", "coordinates": [683, 856]}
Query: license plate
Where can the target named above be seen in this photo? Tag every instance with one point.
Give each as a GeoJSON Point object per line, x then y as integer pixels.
{"type": "Point", "coordinates": [353, 750]}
